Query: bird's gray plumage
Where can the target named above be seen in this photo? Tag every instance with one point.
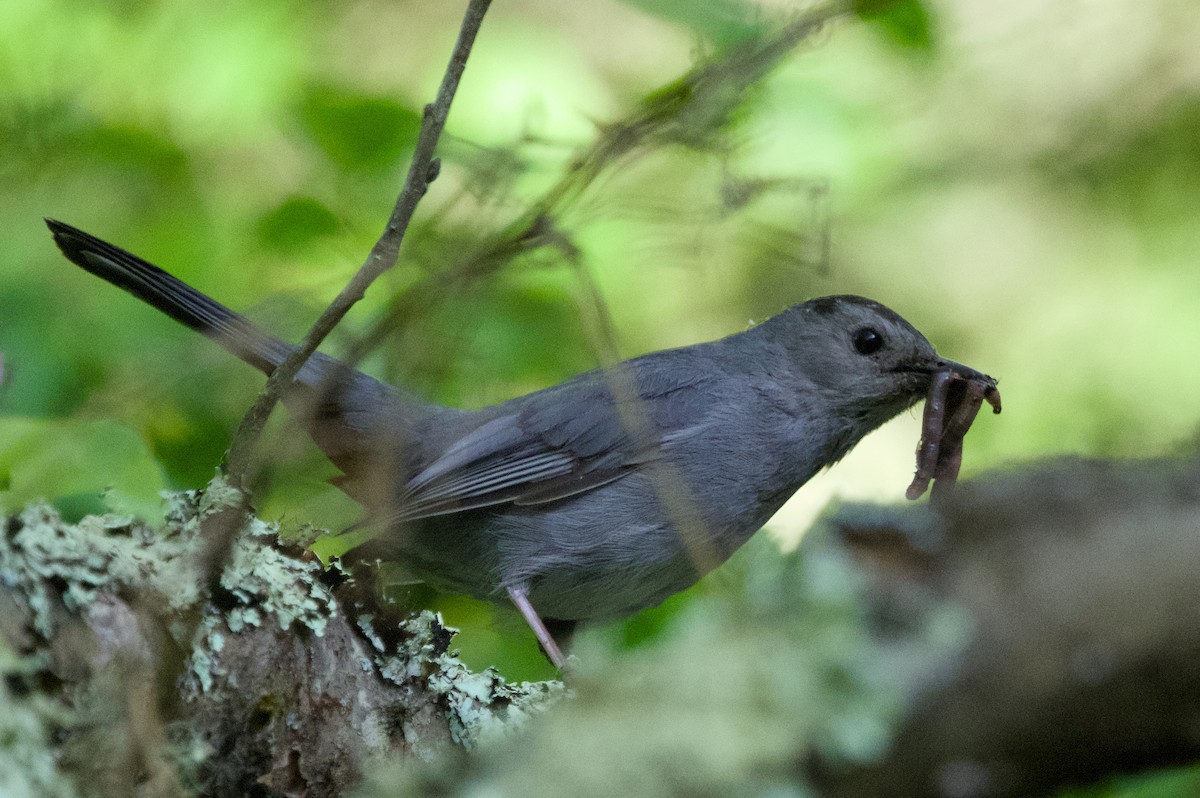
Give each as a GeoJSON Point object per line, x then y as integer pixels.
{"type": "Point", "coordinates": [601, 495]}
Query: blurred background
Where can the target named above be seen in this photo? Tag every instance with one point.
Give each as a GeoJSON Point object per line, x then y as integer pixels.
{"type": "Point", "coordinates": [1019, 180]}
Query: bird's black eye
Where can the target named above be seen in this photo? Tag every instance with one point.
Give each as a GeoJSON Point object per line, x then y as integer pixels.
{"type": "Point", "coordinates": [867, 340]}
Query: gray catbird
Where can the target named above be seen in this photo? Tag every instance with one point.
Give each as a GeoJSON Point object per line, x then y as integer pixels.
{"type": "Point", "coordinates": [607, 493]}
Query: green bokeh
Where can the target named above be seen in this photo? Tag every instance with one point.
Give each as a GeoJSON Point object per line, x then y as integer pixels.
{"type": "Point", "coordinates": [1022, 188]}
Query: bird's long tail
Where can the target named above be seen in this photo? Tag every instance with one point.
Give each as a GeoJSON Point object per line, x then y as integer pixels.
{"type": "Point", "coordinates": [171, 295]}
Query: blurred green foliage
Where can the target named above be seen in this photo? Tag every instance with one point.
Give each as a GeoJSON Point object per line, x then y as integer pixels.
{"type": "Point", "coordinates": [907, 23]}
{"type": "Point", "coordinates": [1018, 179]}
{"type": "Point", "coordinates": [1182, 783]}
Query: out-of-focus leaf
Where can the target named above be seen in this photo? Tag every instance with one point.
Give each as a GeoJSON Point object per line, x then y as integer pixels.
{"type": "Point", "coordinates": [724, 23]}
{"type": "Point", "coordinates": [132, 147]}
{"type": "Point", "coordinates": [905, 23]}
{"type": "Point", "coordinates": [478, 348]}
{"type": "Point", "coordinates": [187, 439]}
{"type": "Point", "coordinates": [1180, 783]}
{"type": "Point", "coordinates": [649, 624]}
{"type": "Point", "coordinates": [1152, 176]}
{"type": "Point", "coordinates": [358, 131]}
{"type": "Point", "coordinates": [77, 459]}
{"type": "Point", "coordinates": [295, 223]}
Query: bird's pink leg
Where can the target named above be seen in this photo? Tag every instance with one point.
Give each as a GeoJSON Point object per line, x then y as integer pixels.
{"type": "Point", "coordinates": [553, 652]}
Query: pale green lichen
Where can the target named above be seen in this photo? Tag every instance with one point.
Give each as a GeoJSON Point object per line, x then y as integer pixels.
{"type": "Point", "coordinates": [483, 706]}
{"type": "Point", "coordinates": [269, 587]}
{"type": "Point", "coordinates": [99, 554]}
{"type": "Point", "coordinates": [28, 764]}
{"type": "Point", "coordinates": [53, 566]}
{"type": "Point", "coordinates": [204, 669]}
{"type": "Point", "coordinates": [272, 586]}
{"type": "Point", "coordinates": [478, 706]}
{"type": "Point", "coordinates": [218, 495]}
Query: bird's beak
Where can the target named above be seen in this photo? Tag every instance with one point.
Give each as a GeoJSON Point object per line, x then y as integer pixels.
{"type": "Point", "coordinates": [991, 394]}
{"type": "Point", "coordinates": [966, 372]}
{"type": "Point", "coordinates": [958, 373]}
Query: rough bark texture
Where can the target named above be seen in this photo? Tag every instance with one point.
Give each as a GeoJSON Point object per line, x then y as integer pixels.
{"type": "Point", "coordinates": [160, 687]}
{"type": "Point", "coordinates": [1038, 631]}
{"type": "Point", "coordinates": [1079, 580]}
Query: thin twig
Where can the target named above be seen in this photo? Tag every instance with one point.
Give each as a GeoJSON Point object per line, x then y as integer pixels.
{"type": "Point", "coordinates": [422, 171]}
{"type": "Point", "coordinates": [703, 99]}
{"type": "Point", "coordinates": [222, 526]}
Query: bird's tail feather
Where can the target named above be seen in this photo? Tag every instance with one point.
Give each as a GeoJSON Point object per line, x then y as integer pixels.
{"type": "Point", "coordinates": [171, 295]}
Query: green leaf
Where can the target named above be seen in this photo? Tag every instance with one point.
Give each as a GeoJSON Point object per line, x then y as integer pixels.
{"type": "Point", "coordinates": [131, 147]}
{"type": "Point", "coordinates": [359, 131]}
{"type": "Point", "coordinates": [79, 461]}
{"type": "Point", "coordinates": [905, 23]}
{"type": "Point", "coordinates": [724, 23]}
{"type": "Point", "coordinates": [295, 224]}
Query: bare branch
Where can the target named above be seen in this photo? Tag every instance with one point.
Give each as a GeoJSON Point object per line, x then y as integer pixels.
{"type": "Point", "coordinates": [422, 171]}
{"type": "Point", "coordinates": [687, 111]}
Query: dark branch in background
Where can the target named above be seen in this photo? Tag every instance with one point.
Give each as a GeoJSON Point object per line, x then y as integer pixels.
{"type": "Point", "coordinates": [422, 171]}
{"type": "Point", "coordinates": [687, 111]}
{"type": "Point", "coordinates": [1076, 582]}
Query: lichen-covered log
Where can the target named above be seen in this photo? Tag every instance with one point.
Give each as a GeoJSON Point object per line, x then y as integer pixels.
{"type": "Point", "coordinates": [1036, 631]}
{"type": "Point", "coordinates": [126, 676]}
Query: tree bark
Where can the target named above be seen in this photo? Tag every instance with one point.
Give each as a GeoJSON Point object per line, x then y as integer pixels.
{"type": "Point", "coordinates": [1079, 582]}
{"type": "Point", "coordinates": [163, 687]}
{"type": "Point", "coordinates": [1038, 631]}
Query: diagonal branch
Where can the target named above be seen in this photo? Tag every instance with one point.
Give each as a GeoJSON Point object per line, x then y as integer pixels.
{"type": "Point", "coordinates": [421, 172]}
{"type": "Point", "coordinates": [682, 112]}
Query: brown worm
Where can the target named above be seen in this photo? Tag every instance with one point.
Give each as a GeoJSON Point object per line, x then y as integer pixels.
{"type": "Point", "coordinates": [956, 393]}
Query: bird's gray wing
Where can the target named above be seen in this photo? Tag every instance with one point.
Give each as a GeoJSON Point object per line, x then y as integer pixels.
{"type": "Point", "coordinates": [556, 443]}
